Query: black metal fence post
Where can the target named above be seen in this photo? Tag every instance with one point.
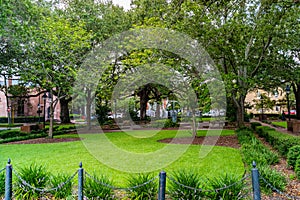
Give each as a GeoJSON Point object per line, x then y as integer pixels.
{"type": "Point", "coordinates": [255, 182]}
{"type": "Point", "coordinates": [162, 186]}
{"type": "Point", "coordinates": [80, 182]}
{"type": "Point", "coordinates": [8, 181]}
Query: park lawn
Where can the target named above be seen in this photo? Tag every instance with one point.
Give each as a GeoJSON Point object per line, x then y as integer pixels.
{"type": "Point", "coordinates": [120, 153]}
{"type": "Point", "coordinates": [281, 124]}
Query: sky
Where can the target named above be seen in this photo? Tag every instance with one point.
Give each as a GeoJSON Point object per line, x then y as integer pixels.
{"type": "Point", "coordinates": [124, 3]}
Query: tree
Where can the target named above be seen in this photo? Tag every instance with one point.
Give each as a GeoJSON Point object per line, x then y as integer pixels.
{"type": "Point", "coordinates": [239, 35]}
{"type": "Point", "coordinates": [54, 51]}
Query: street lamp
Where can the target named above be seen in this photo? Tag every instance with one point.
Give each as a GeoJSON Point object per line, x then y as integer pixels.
{"type": "Point", "coordinates": [44, 98]}
{"type": "Point", "coordinates": [288, 90]}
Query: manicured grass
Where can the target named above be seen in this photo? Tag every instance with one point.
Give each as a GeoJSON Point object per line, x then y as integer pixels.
{"type": "Point", "coordinates": [117, 154]}
{"type": "Point", "coordinates": [281, 124]}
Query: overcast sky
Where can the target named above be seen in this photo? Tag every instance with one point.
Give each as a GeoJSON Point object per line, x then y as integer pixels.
{"type": "Point", "coordinates": [124, 3]}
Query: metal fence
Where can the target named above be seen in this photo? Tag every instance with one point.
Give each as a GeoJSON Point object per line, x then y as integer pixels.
{"type": "Point", "coordinates": [254, 179]}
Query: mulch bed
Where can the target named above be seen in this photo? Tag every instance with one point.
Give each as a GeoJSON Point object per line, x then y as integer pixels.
{"type": "Point", "coordinates": [45, 140]}
{"type": "Point", "coordinates": [228, 141]}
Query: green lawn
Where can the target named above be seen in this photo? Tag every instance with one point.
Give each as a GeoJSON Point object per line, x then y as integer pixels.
{"type": "Point", "coordinates": [117, 154]}
{"type": "Point", "coordinates": [281, 124]}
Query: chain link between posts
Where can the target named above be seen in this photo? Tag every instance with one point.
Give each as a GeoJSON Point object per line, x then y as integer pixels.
{"type": "Point", "coordinates": [215, 190]}
{"type": "Point", "coordinates": [43, 190]}
{"type": "Point", "coordinates": [120, 188]}
{"type": "Point", "coordinates": [1, 170]}
{"type": "Point", "coordinates": [277, 190]}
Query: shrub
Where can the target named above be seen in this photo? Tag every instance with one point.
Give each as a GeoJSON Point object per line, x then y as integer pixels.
{"type": "Point", "coordinates": [189, 179]}
{"type": "Point", "coordinates": [63, 191]}
{"type": "Point", "coordinates": [231, 193]}
{"type": "Point", "coordinates": [254, 125]}
{"type": "Point", "coordinates": [272, 177]}
{"type": "Point", "coordinates": [297, 167]}
{"type": "Point", "coordinates": [281, 142]}
{"type": "Point", "coordinates": [164, 123]}
{"type": "Point", "coordinates": [11, 133]}
{"type": "Point", "coordinates": [36, 176]}
{"type": "Point", "coordinates": [143, 191]}
{"type": "Point", "coordinates": [96, 187]}
{"type": "Point", "coordinates": [292, 155]}
{"type": "Point", "coordinates": [2, 183]}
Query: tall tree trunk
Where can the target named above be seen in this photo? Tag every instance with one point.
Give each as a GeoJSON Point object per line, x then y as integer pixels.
{"type": "Point", "coordinates": [64, 110]}
{"type": "Point", "coordinates": [143, 103]}
{"type": "Point", "coordinates": [297, 97]}
{"type": "Point", "coordinates": [239, 103]}
{"type": "Point", "coordinates": [88, 107]}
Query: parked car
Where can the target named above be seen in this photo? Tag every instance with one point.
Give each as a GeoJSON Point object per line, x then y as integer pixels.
{"type": "Point", "coordinates": [292, 112]}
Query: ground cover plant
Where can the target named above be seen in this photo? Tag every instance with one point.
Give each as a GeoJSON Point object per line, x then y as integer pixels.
{"type": "Point", "coordinates": [254, 150]}
{"type": "Point", "coordinates": [65, 157]}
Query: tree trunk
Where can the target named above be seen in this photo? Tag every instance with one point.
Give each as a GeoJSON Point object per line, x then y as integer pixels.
{"type": "Point", "coordinates": [88, 107]}
{"type": "Point", "coordinates": [297, 97]}
{"type": "Point", "coordinates": [64, 110]}
{"type": "Point", "coordinates": [143, 103]}
{"type": "Point", "coordinates": [239, 103]}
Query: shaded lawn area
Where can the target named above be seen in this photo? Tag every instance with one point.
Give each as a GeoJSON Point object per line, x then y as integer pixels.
{"type": "Point", "coordinates": [114, 153]}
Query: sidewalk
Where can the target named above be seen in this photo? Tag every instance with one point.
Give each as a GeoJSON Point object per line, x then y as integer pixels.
{"type": "Point", "coordinates": [277, 128]}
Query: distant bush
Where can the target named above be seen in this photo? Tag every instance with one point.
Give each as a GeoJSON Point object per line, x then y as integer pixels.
{"type": "Point", "coordinates": [11, 133]}
{"type": "Point", "coordinates": [164, 123]}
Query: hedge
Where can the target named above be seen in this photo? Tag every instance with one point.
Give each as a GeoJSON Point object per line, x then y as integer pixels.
{"type": "Point", "coordinates": [279, 141]}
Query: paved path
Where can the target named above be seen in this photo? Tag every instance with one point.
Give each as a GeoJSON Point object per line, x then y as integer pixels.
{"type": "Point", "coordinates": [277, 128]}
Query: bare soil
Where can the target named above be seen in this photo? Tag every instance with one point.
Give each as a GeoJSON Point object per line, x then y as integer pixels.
{"type": "Point", "coordinates": [228, 141]}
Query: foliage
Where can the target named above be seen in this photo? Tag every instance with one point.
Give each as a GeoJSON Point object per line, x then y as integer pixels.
{"type": "Point", "coordinates": [187, 178]}
{"type": "Point", "coordinates": [297, 167]}
{"type": "Point", "coordinates": [139, 190]}
{"type": "Point", "coordinates": [2, 183]}
{"type": "Point", "coordinates": [293, 155]}
{"type": "Point", "coordinates": [97, 187]}
{"type": "Point", "coordinates": [164, 123]}
{"type": "Point", "coordinates": [276, 179]}
{"type": "Point", "coordinates": [102, 111]}
{"type": "Point", "coordinates": [11, 133]}
{"type": "Point", "coordinates": [234, 192]}
{"type": "Point", "coordinates": [63, 192]}
{"type": "Point", "coordinates": [35, 175]}
{"type": "Point", "coordinates": [280, 141]}
{"type": "Point", "coordinates": [254, 125]}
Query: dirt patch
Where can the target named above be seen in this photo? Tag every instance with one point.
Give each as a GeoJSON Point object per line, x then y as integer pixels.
{"type": "Point", "coordinates": [227, 141]}
{"type": "Point", "coordinates": [45, 140]}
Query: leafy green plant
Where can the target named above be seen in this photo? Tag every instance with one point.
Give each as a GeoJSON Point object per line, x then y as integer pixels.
{"type": "Point", "coordinates": [141, 186]}
{"type": "Point", "coordinates": [272, 177]}
{"type": "Point", "coordinates": [181, 183]}
{"type": "Point", "coordinates": [63, 191]}
{"type": "Point", "coordinates": [96, 187]}
{"type": "Point", "coordinates": [292, 155]}
{"type": "Point", "coordinates": [2, 183]}
{"type": "Point", "coordinates": [297, 167]}
{"type": "Point", "coordinates": [36, 176]}
{"type": "Point", "coordinates": [235, 191]}
{"type": "Point", "coordinates": [11, 133]}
